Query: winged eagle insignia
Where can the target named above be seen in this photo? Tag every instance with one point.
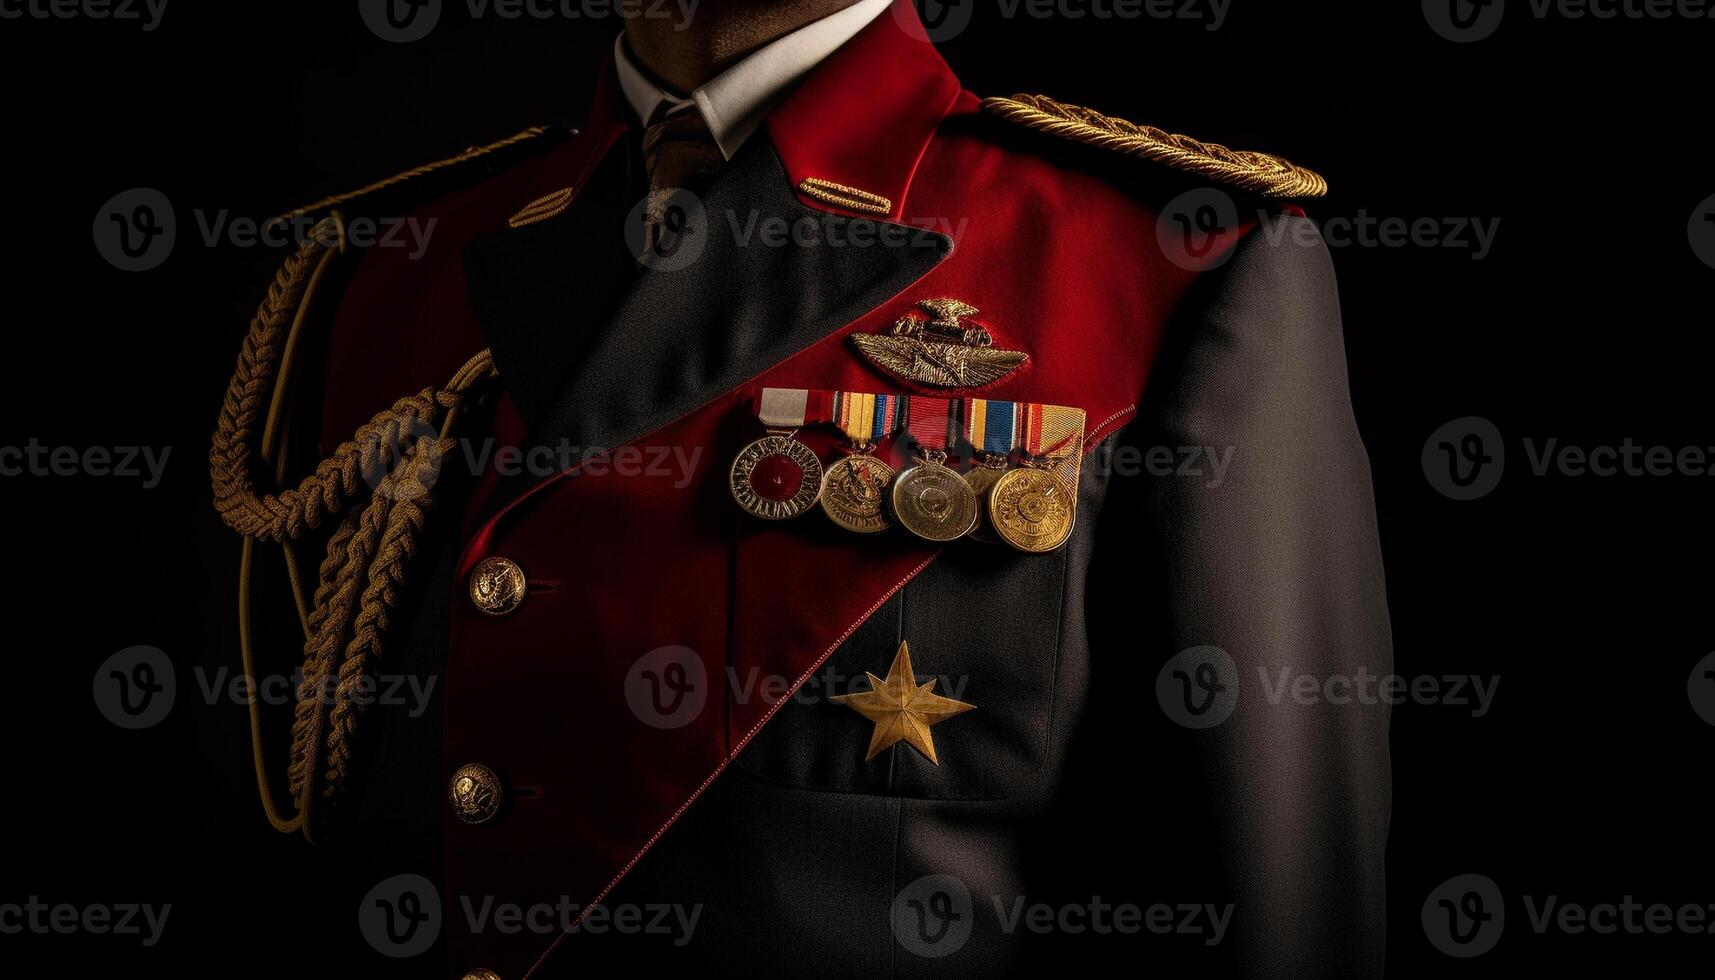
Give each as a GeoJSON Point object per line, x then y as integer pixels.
{"type": "Point", "coordinates": [942, 349]}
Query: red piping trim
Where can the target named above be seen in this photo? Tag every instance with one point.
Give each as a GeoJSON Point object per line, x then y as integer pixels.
{"type": "Point", "coordinates": [796, 686]}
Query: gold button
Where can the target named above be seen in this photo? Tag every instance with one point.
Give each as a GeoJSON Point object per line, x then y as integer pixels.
{"type": "Point", "coordinates": [497, 586]}
{"type": "Point", "coordinates": [482, 975]}
{"type": "Point", "coordinates": [475, 793]}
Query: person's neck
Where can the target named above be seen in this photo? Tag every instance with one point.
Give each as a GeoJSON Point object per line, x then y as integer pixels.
{"type": "Point", "coordinates": [685, 54]}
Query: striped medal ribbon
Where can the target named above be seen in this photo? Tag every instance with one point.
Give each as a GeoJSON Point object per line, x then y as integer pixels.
{"type": "Point", "coordinates": [854, 493]}
{"type": "Point", "coordinates": [1032, 508]}
{"type": "Point", "coordinates": [929, 499]}
{"type": "Point", "coordinates": [991, 429]}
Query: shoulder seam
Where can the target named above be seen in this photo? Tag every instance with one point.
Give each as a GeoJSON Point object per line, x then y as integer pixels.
{"type": "Point", "coordinates": [472, 153]}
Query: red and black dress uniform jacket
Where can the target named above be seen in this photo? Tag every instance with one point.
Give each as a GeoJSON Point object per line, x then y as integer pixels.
{"type": "Point", "coordinates": [1068, 785]}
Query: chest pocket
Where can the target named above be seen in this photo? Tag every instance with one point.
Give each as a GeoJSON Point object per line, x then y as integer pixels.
{"type": "Point", "coordinates": [986, 624]}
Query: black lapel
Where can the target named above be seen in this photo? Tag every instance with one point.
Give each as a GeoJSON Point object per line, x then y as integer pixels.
{"type": "Point", "coordinates": [597, 374]}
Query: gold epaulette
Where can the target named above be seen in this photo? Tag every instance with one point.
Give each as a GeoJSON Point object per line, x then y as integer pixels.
{"type": "Point", "coordinates": [475, 152]}
{"type": "Point", "coordinates": [1261, 173]}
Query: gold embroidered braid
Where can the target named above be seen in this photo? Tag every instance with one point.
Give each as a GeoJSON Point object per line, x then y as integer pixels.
{"type": "Point", "coordinates": [368, 557]}
{"type": "Point", "coordinates": [1263, 173]}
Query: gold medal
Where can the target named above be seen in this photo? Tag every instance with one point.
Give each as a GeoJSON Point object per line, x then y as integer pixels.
{"type": "Point", "coordinates": [854, 493]}
{"type": "Point", "coordinates": [982, 479]}
{"type": "Point", "coordinates": [776, 477]}
{"type": "Point", "coordinates": [1032, 510]}
{"type": "Point", "coordinates": [933, 502]}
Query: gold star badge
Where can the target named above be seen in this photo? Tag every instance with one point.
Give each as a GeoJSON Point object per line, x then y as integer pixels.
{"type": "Point", "coordinates": [901, 709]}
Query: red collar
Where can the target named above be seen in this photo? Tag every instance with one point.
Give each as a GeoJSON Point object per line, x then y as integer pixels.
{"type": "Point", "coordinates": [850, 136]}
{"type": "Point", "coordinates": [862, 119]}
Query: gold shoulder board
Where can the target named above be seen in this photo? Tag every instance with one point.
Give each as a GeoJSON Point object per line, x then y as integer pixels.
{"type": "Point", "coordinates": [1262, 173]}
{"type": "Point", "coordinates": [473, 153]}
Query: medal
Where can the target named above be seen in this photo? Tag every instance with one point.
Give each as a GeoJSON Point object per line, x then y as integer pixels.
{"type": "Point", "coordinates": [854, 491]}
{"type": "Point", "coordinates": [778, 477]}
{"type": "Point", "coordinates": [930, 500]}
{"type": "Point", "coordinates": [990, 430]}
{"type": "Point", "coordinates": [1032, 508]}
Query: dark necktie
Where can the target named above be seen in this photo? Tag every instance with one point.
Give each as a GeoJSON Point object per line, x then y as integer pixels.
{"type": "Point", "coordinates": [679, 152]}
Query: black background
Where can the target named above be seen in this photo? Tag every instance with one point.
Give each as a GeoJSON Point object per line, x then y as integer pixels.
{"type": "Point", "coordinates": [1588, 597]}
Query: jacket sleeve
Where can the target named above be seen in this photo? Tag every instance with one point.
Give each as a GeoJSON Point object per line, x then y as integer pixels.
{"type": "Point", "coordinates": [1278, 567]}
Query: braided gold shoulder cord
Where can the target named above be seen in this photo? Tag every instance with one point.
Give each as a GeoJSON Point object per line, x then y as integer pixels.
{"type": "Point", "coordinates": [378, 485]}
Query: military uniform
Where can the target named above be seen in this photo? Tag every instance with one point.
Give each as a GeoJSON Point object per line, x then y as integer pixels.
{"type": "Point", "coordinates": [574, 611]}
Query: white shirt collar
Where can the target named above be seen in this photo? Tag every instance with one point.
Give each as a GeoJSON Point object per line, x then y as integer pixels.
{"type": "Point", "coordinates": [736, 101]}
